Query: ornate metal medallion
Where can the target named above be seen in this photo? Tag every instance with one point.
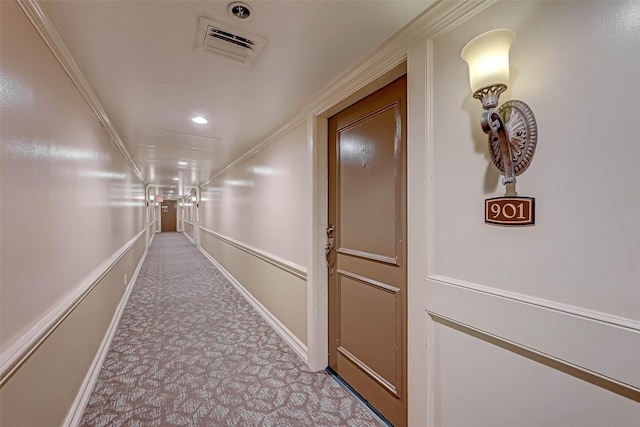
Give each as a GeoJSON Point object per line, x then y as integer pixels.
{"type": "Point", "coordinates": [522, 131]}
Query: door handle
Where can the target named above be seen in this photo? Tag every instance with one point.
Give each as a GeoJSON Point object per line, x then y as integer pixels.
{"type": "Point", "coordinates": [328, 248]}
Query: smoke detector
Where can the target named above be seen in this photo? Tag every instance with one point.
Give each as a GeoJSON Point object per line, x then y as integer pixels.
{"type": "Point", "coordinates": [225, 41]}
{"type": "Point", "coordinates": [240, 10]}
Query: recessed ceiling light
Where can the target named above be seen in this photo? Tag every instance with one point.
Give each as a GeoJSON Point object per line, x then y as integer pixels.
{"type": "Point", "coordinates": [183, 163]}
{"type": "Point", "coordinates": [199, 120]}
{"type": "Point", "coordinates": [176, 179]}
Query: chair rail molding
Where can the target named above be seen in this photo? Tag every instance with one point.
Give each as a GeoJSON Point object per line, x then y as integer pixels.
{"type": "Point", "coordinates": [17, 354]}
{"type": "Point", "coordinates": [294, 269]}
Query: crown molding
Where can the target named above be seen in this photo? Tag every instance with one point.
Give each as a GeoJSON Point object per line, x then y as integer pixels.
{"type": "Point", "coordinates": [441, 17]}
{"type": "Point", "coordinates": [49, 33]}
{"type": "Point", "coordinates": [438, 19]}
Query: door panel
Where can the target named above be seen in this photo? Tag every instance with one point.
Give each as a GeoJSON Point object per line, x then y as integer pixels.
{"type": "Point", "coordinates": [367, 207]}
{"type": "Point", "coordinates": [169, 214]}
{"type": "Point", "coordinates": [369, 226]}
{"type": "Point", "coordinates": [379, 306]}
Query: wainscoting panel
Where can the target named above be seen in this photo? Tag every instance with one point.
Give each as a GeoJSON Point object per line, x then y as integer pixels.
{"type": "Point", "coordinates": [605, 349]}
{"type": "Point", "coordinates": [188, 230]}
{"type": "Point", "coordinates": [46, 385]}
{"type": "Point", "coordinates": [281, 292]}
{"type": "Point", "coordinates": [478, 379]}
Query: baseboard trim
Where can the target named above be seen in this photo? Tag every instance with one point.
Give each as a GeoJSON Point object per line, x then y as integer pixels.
{"type": "Point", "coordinates": [294, 342]}
{"type": "Point", "coordinates": [189, 237]}
{"type": "Point", "coordinates": [153, 234]}
{"type": "Point", "coordinates": [74, 416]}
{"type": "Point", "coordinates": [15, 356]}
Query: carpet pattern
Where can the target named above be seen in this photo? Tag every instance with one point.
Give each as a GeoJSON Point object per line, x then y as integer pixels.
{"type": "Point", "coordinates": [191, 351]}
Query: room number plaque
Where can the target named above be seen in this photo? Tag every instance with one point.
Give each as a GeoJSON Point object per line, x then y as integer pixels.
{"type": "Point", "coordinates": [510, 211]}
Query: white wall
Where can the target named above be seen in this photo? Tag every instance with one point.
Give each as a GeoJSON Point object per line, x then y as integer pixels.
{"type": "Point", "coordinates": [575, 73]}
{"type": "Point", "coordinates": [262, 202]}
{"type": "Point", "coordinates": [72, 225]}
{"type": "Point", "coordinates": [69, 198]}
{"type": "Point", "coordinates": [537, 325]}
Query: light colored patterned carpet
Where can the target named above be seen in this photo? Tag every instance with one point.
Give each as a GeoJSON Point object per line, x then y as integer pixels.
{"type": "Point", "coordinates": [190, 351]}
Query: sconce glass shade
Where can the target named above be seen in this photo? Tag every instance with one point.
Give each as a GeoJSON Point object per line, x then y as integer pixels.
{"type": "Point", "coordinates": [488, 58]}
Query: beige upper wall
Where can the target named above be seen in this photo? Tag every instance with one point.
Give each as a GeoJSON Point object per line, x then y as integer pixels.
{"type": "Point", "coordinates": [504, 321]}
{"type": "Point", "coordinates": [262, 201]}
{"type": "Point", "coordinates": [69, 200]}
{"type": "Point", "coordinates": [576, 64]}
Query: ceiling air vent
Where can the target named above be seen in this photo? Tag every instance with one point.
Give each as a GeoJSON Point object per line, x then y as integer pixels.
{"type": "Point", "coordinates": [221, 40]}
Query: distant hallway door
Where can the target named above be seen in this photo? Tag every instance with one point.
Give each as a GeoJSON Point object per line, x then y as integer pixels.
{"type": "Point", "coordinates": [368, 223]}
{"type": "Point", "coordinates": [168, 214]}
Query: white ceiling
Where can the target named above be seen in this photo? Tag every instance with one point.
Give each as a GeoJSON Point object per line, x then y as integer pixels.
{"type": "Point", "coordinates": [143, 61]}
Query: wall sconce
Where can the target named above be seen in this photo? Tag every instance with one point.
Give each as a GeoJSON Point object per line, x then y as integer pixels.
{"type": "Point", "coordinates": [512, 129]}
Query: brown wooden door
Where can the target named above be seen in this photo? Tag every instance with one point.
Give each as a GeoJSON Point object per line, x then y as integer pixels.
{"type": "Point", "coordinates": [168, 215]}
{"type": "Point", "coordinates": [368, 286]}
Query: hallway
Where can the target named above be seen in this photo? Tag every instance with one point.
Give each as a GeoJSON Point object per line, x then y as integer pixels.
{"type": "Point", "coordinates": [190, 351]}
{"type": "Point", "coordinates": [113, 112]}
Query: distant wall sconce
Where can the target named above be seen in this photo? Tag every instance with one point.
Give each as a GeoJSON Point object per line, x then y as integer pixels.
{"type": "Point", "coordinates": [512, 129]}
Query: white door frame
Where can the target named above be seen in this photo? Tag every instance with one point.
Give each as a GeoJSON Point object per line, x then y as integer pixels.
{"type": "Point", "coordinates": [158, 211]}
{"type": "Point", "coordinates": [179, 213]}
{"type": "Point", "coordinates": [413, 45]}
{"type": "Point", "coordinates": [317, 144]}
